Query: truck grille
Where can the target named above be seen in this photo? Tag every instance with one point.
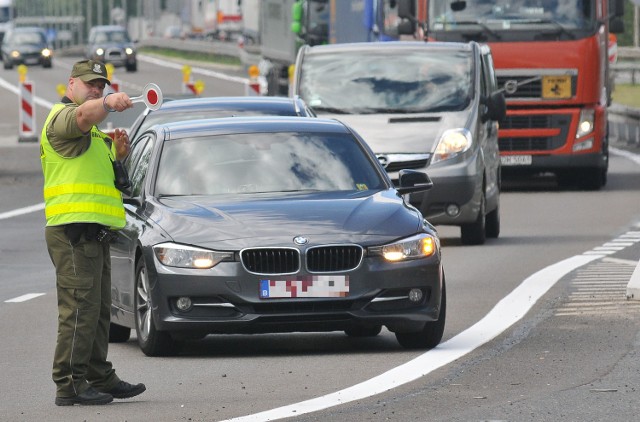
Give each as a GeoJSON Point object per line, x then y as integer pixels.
{"type": "Point", "coordinates": [333, 258]}
{"type": "Point", "coordinates": [535, 143]}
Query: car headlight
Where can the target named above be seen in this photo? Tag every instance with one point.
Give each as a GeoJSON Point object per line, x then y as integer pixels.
{"type": "Point", "coordinates": [15, 54]}
{"type": "Point", "coordinates": [46, 52]}
{"type": "Point", "coordinates": [586, 123]}
{"type": "Point", "coordinates": [129, 51]}
{"type": "Point", "coordinates": [99, 51]}
{"type": "Point", "coordinates": [419, 246]}
{"type": "Point", "coordinates": [451, 143]}
{"type": "Point", "coordinates": [184, 256]}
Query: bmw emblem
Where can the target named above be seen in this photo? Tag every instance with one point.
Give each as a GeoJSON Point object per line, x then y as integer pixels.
{"type": "Point", "coordinates": [300, 240]}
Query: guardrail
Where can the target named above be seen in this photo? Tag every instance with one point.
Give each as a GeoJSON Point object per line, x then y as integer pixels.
{"type": "Point", "coordinates": [624, 125]}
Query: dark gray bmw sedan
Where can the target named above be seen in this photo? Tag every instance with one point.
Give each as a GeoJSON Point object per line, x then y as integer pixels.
{"type": "Point", "coordinates": [270, 224]}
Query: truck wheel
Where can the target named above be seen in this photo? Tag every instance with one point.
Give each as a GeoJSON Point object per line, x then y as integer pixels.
{"type": "Point", "coordinates": [118, 333]}
{"type": "Point", "coordinates": [151, 341]}
{"type": "Point", "coordinates": [431, 335]}
{"type": "Point", "coordinates": [475, 233]}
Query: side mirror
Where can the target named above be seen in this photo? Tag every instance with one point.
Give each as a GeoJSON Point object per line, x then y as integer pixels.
{"type": "Point", "coordinates": [496, 107]}
{"type": "Point", "coordinates": [410, 181]}
{"type": "Point", "coordinates": [616, 25]}
{"type": "Point", "coordinates": [458, 6]}
{"type": "Point", "coordinates": [406, 9]}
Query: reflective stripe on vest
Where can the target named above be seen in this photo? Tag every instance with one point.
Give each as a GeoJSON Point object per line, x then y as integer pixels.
{"type": "Point", "coordinates": [80, 189]}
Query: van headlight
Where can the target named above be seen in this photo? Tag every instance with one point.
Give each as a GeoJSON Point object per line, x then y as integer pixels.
{"type": "Point", "coordinates": [452, 143]}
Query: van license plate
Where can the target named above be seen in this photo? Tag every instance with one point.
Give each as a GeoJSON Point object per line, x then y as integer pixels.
{"type": "Point", "coordinates": [515, 160]}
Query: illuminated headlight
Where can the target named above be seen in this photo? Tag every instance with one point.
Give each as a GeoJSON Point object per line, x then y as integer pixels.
{"type": "Point", "coordinates": [46, 53]}
{"type": "Point", "coordinates": [15, 54]}
{"type": "Point", "coordinates": [129, 51]}
{"type": "Point", "coordinates": [99, 51]}
{"type": "Point", "coordinates": [418, 246]}
{"type": "Point", "coordinates": [586, 123]}
{"type": "Point", "coordinates": [452, 143]}
{"type": "Point", "coordinates": [184, 256]}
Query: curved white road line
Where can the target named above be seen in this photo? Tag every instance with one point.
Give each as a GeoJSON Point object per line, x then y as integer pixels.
{"type": "Point", "coordinates": [507, 312]}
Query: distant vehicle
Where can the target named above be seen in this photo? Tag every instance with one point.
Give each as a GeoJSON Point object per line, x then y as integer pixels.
{"type": "Point", "coordinates": [210, 107]}
{"type": "Point", "coordinates": [7, 16]}
{"type": "Point", "coordinates": [270, 224]}
{"type": "Point", "coordinates": [430, 107]}
{"type": "Point", "coordinates": [112, 44]}
{"type": "Point", "coordinates": [28, 46]}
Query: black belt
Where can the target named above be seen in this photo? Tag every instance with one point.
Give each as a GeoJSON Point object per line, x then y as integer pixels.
{"type": "Point", "coordinates": [91, 231]}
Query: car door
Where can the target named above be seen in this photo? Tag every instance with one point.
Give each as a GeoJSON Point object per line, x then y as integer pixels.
{"type": "Point", "coordinates": [124, 248]}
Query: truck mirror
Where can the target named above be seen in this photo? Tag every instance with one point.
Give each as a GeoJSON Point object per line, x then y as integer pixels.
{"type": "Point", "coordinates": [616, 25]}
{"type": "Point", "coordinates": [406, 9]}
{"type": "Point", "coordinates": [406, 28]}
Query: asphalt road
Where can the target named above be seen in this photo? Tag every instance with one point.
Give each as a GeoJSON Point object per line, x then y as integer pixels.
{"type": "Point", "coordinates": [538, 326]}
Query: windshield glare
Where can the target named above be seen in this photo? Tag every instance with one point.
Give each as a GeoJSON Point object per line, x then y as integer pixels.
{"type": "Point", "coordinates": [386, 82]}
{"type": "Point", "coordinates": [508, 14]}
{"type": "Point", "coordinates": [265, 163]}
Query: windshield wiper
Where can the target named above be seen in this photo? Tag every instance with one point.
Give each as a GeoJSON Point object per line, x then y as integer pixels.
{"type": "Point", "coordinates": [329, 110]}
{"type": "Point", "coordinates": [482, 25]}
{"type": "Point", "coordinates": [558, 25]}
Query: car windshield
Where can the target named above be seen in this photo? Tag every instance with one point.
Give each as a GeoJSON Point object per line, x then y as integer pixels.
{"type": "Point", "coordinates": [265, 163]}
{"type": "Point", "coordinates": [28, 38]}
{"type": "Point", "coordinates": [512, 15]}
{"type": "Point", "coordinates": [386, 81]}
{"type": "Point", "coordinates": [111, 36]}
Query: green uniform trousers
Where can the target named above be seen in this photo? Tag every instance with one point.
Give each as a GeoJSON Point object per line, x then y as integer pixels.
{"type": "Point", "coordinates": [83, 283]}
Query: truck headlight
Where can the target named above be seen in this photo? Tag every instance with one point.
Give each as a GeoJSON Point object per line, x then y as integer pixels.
{"type": "Point", "coordinates": [451, 143]}
{"type": "Point", "coordinates": [586, 123]}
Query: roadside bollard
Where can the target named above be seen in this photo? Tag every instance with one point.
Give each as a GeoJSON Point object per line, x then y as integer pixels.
{"type": "Point", "coordinates": [27, 112]}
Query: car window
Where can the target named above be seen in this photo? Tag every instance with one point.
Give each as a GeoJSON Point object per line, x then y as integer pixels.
{"type": "Point", "coordinates": [137, 163]}
{"type": "Point", "coordinates": [264, 162]}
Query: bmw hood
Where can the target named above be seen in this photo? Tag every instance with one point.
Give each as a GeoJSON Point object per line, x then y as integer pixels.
{"type": "Point", "coordinates": [274, 220]}
{"type": "Point", "coordinates": [402, 133]}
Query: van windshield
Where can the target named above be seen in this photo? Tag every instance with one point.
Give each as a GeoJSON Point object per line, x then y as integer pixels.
{"type": "Point", "coordinates": [386, 81]}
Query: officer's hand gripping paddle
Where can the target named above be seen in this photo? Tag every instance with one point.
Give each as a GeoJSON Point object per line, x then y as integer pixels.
{"type": "Point", "coordinates": [151, 97]}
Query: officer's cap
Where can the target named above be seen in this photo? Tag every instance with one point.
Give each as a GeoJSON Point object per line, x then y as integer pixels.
{"type": "Point", "coordinates": [90, 70]}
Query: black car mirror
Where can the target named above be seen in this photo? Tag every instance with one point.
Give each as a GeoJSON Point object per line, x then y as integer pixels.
{"type": "Point", "coordinates": [496, 107]}
{"type": "Point", "coordinates": [410, 181]}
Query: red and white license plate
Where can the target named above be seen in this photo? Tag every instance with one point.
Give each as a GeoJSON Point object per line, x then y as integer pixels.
{"type": "Point", "coordinates": [309, 286]}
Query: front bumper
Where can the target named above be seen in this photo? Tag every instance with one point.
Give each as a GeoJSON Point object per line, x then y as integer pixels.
{"type": "Point", "coordinates": [226, 300]}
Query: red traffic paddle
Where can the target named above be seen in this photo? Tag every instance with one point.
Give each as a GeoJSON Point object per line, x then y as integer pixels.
{"type": "Point", "coordinates": [151, 96]}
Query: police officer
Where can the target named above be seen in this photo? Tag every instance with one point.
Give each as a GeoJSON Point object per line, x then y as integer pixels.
{"type": "Point", "coordinates": [82, 207]}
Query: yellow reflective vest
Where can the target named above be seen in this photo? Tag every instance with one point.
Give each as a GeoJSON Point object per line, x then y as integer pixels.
{"type": "Point", "coordinates": [80, 189]}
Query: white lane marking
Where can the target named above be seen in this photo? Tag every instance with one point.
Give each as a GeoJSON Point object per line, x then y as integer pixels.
{"type": "Point", "coordinates": [506, 312]}
{"type": "Point", "coordinates": [24, 298]}
{"type": "Point", "coordinates": [627, 154]}
{"type": "Point", "coordinates": [22, 211]}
